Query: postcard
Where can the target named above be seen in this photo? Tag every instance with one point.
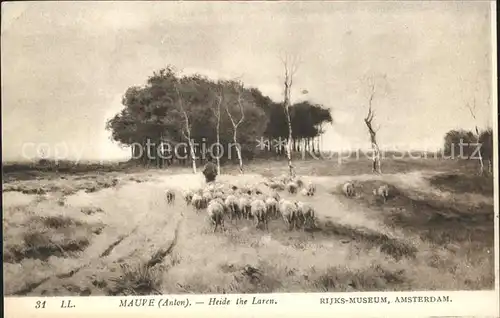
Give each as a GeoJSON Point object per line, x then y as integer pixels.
{"type": "Point", "coordinates": [250, 159]}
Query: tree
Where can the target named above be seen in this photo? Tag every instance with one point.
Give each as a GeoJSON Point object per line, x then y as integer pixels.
{"type": "Point", "coordinates": [486, 142]}
{"type": "Point", "coordinates": [236, 88]}
{"type": "Point", "coordinates": [471, 106]}
{"type": "Point", "coordinates": [290, 68]}
{"type": "Point", "coordinates": [149, 114]}
{"type": "Point", "coordinates": [170, 108]}
{"type": "Point", "coordinates": [217, 114]}
{"type": "Point", "coordinates": [186, 130]}
{"type": "Point", "coordinates": [307, 119]}
{"type": "Point", "coordinates": [376, 165]}
{"type": "Point", "coordinates": [454, 141]}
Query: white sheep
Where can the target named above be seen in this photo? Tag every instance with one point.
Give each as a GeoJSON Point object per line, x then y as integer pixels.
{"type": "Point", "coordinates": [348, 189]}
{"type": "Point", "coordinates": [306, 213]}
{"type": "Point", "coordinates": [219, 194]}
{"type": "Point", "coordinates": [170, 194]}
{"type": "Point", "coordinates": [276, 185]}
{"type": "Point", "coordinates": [311, 189]}
{"type": "Point", "coordinates": [259, 212]}
{"type": "Point", "coordinates": [231, 204]}
{"type": "Point", "coordinates": [283, 178]}
{"type": "Point", "coordinates": [382, 191]}
{"type": "Point", "coordinates": [210, 187]}
{"type": "Point", "coordinates": [244, 206]}
{"type": "Point", "coordinates": [276, 196]}
{"type": "Point", "coordinates": [244, 190]}
{"type": "Point", "coordinates": [188, 196]}
{"type": "Point", "coordinates": [215, 212]}
{"type": "Point", "coordinates": [304, 192]}
{"type": "Point", "coordinates": [219, 200]}
{"type": "Point", "coordinates": [292, 187]}
{"type": "Point", "coordinates": [289, 212]}
{"type": "Point", "coordinates": [197, 201]}
{"type": "Point", "coordinates": [207, 197]}
{"type": "Point", "coordinates": [271, 206]}
{"type": "Point", "coordinates": [256, 191]}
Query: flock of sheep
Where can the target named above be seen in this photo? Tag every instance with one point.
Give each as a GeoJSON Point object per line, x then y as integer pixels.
{"type": "Point", "coordinates": [259, 204]}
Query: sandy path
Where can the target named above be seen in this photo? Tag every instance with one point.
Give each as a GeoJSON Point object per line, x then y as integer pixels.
{"type": "Point", "coordinates": [139, 223]}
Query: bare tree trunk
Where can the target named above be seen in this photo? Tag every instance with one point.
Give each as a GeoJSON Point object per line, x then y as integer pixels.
{"type": "Point", "coordinates": [148, 152]}
{"type": "Point", "coordinates": [238, 152]}
{"type": "Point", "coordinates": [304, 148]}
{"type": "Point", "coordinates": [472, 109]}
{"type": "Point", "coordinates": [217, 158]}
{"type": "Point", "coordinates": [289, 144]}
{"type": "Point", "coordinates": [236, 125]}
{"type": "Point", "coordinates": [376, 157]}
{"type": "Point", "coordinates": [191, 151]}
{"type": "Point", "coordinates": [290, 68]}
{"type": "Point", "coordinates": [187, 133]}
{"type": "Point", "coordinates": [481, 163]}
{"type": "Point", "coordinates": [144, 153]}
{"type": "Point", "coordinates": [376, 166]}
{"type": "Point", "coordinates": [161, 153]}
{"type": "Point", "coordinates": [217, 130]}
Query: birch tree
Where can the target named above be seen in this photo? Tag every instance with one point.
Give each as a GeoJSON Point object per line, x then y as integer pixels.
{"type": "Point", "coordinates": [290, 66]}
{"type": "Point", "coordinates": [376, 160]}
{"type": "Point", "coordinates": [219, 98]}
{"type": "Point", "coordinates": [471, 106]}
{"type": "Point", "coordinates": [186, 130]}
{"type": "Point", "coordinates": [237, 87]}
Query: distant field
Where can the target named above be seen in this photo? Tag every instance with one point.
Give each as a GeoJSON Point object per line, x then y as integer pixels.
{"type": "Point", "coordinates": [109, 231]}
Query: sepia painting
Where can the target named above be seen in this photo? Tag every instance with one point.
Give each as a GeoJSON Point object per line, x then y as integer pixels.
{"type": "Point", "coordinates": [154, 148]}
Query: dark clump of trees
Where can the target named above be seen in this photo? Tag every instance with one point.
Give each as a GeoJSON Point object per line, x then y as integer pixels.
{"type": "Point", "coordinates": [186, 119]}
{"type": "Point", "coordinates": [467, 144]}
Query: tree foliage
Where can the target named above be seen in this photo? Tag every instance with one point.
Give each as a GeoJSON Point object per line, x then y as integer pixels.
{"type": "Point", "coordinates": [486, 141]}
{"type": "Point", "coordinates": [463, 142]}
{"type": "Point", "coordinates": [158, 110]}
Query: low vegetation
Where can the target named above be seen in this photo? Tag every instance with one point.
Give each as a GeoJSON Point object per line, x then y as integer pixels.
{"type": "Point", "coordinates": [125, 239]}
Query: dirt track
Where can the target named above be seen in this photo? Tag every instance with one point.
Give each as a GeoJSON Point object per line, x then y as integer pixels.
{"type": "Point", "coordinates": [139, 227]}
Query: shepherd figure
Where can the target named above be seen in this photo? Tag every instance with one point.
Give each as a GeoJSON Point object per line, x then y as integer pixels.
{"type": "Point", "coordinates": [210, 171]}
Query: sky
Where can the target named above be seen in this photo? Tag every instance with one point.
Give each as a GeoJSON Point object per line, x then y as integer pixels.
{"type": "Point", "coordinates": [66, 65]}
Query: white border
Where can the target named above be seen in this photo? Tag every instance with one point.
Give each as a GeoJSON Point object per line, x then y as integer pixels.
{"type": "Point", "coordinates": [496, 196]}
{"type": "Point", "coordinates": [463, 303]}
